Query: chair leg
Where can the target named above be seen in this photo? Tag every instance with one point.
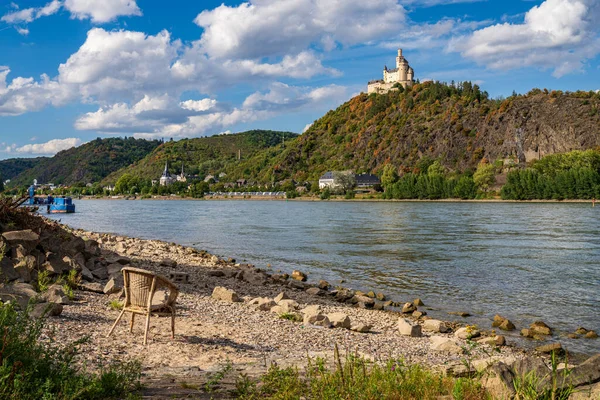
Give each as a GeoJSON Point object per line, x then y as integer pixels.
{"type": "Point", "coordinates": [115, 324]}
{"type": "Point", "coordinates": [131, 324]}
{"type": "Point", "coordinates": [146, 331]}
{"type": "Point", "coordinates": [173, 324]}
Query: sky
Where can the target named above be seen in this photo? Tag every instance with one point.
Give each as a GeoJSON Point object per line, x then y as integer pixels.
{"type": "Point", "coordinates": [75, 70]}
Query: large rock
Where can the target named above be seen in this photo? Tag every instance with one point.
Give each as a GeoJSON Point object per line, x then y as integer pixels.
{"type": "Point", "coordinates": [26, 238]}
{"type": "Point", "coordinates": [312, 309]}
{"type": "Point", "coordinates": [17, 293]}
{"type": "Point", "coordinates": [339, 320]}
{"type": "Point", "coordinates": [467, 332]}
{"type": "Point", "coordinates": [281, 296]}
{"type": "Point", "coordinates": [315, 291]}
{"type": "Point", "coordinates": [288, 305]}
{"type": "Point", "coordinates": [364, 301]}
{"type": "Point", "coordinates": [408, 329]}
{"type": "Point", "coordinates": [112, 286]}
{"type": "Point", "coordinates": [55, 264]}
{"type": "Point", "coordinates": [114, 269]}
{"type": "Point", "coordinates": [169, 263]}
{"type": "Point", "coordinates": [100, 272]}
{"type": "Point", "coordinates": [408, 308]}
{"type": "Point", "coordinates": [549, 348]}
{"type": "Point", "coordinates": [316, 319]}
{"type": "Point", "coordinates": [94, 287]}
{"type": "Point", "coordinates": [221, 293]}
{"type": "Point", "coordinates": [361, 328]}
{"type": "Point", "coordinates": [440, 343]}
{"type": "Point", "coordinates": [56, 294]}
{"type": "Point", "coordinates": [498, 381]}
{"type": "Point", "coordinates": [503, 323]}
{"type": "Point", "coordinates": [585, 373]}
{"type": "Point", "coordinates": [46, 310]}
{"type": "Point", "coordinates": [588, 392]}
{"type": "Point", "coordinates": [73, 246]}
{"type": "Point", "coordinates": [434, 325]}
{"type": "Point", "coordinates": [299, 276]}
{"type": "Point", "coordinates": [324, 285]}
{"type": "Point", "coordinates": [8, 270]}
{"type": "Point", "coordinates": [91, 249]}
{"type": "Point", "coordinates": [262, 303]}
{"type": "Point", "coordinates": [497, 340]}
{"type": "Point", "coordinates": [540, 328]}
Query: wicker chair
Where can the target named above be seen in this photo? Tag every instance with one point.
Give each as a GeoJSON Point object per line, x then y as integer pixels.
{"type": "Point", "coordinates": [140, 287]}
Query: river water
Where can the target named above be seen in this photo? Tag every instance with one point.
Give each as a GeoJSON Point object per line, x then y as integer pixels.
{"type": "Point", "coordinates": [523, 261]}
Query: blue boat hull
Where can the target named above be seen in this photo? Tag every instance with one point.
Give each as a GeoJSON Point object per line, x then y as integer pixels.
{"type": "Point", "coordinates": [61, 209]}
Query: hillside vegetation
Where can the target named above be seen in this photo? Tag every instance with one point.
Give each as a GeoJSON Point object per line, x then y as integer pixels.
{"type": "Point", "coordinates": [458, 125]}
{"type": "Point", "coordinates": [12, 167]}
{"type": "Point", "coordinates": [88, 163]}
{"type": "Point", "coordinates": [203, 156]}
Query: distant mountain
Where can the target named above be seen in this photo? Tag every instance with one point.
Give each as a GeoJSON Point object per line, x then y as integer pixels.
{"type": "Point", "coordinates": [88, 163]}
{"type": "Point", "coordinates": [203, 156]}
{"type": "Point", "coordinates": [455, 124]}
{"type": "Point", "coordinates": [12, 167]}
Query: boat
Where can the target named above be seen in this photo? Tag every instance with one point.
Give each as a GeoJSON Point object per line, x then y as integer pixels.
{"type": "Point", "coordinates": [60, 205]}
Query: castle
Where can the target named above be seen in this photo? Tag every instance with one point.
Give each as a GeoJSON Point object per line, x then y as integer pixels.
{"type": "Point", "coordinates": [403, 74]}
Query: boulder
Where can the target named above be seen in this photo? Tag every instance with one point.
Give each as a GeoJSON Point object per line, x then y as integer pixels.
{"type": "Point", "coordinates": [312, 309]}
{"type": "Point", "coordinates": [339, 320]}
{"type": "Point", "coordinates": [18, 293]}
{"type": "Point", "coordinates": [87, 274]}
{"type": "Point", "coordinates": [114, 269]}
{"type": "Point", "coordinates": [19, 252]}
{"type": "Point", "coordinates": [418, 302]}
{"type": "Point", "coordinates": [281, 296]}
{"type": "Point", "coordinates": [55, 294]}
{"type": "Point", "coordinates": [549, 348]}
{"type": "Point", "coordinates": [585, 373]}
{"type": "Point", "coordinates": [28, 239]}
{"type": "Point", "coordinates": [299, 276]}
{"type": "Point", "coordinates": [288, 305]}
{"type": "Point", "coordinates": [498, 381]}
{"type": "Point", "coordinates": [91, 249]}
{"type": "Point", "coordinates": [506, 325]}
{"type": "Point", "coordinates": [418, 314]}
{"type": "Point", "coordinates": [93, 287]}
{"type": "Point", "coordinates": [366, 301]}
{"type": "Point", "coordinates": [380, 296]}
{"type": "Point", "coordinates": [587, 392]}
{"type": "Point", "coordinates": [324, 285]}
{"type": "Point", "coordinates": [434, 325]}
{"type": "Point", "coordinates": [361, 328]}
{"type": "Point", "coordinates": [8, 273]}
{"type": "Point", "coordinates": [467, 332]}
{"type": "Point", "coordinates": [343, 295]}
{"type": "Point", "coordinates": [497, 340]}
{"type": "Point", "coordinates": [591, 335]}
{"type": "Point", "coordinates": [118, 259]}
{"type": "Point", "coordinates": [224, 294]}
{"type": "Point", "coordinates": [581, 331]}
{"type": "Point", "coordinates": [440, 343]}
{"type": "Point", "coordinates": [315, 291]}
{"type": "Point", "coordinates": [262, 303]}
{"type": "Point", "coordinates": [169, 263]}
{"type": "Point", "coordinates": [112, 286]}
{"type": "Point", "coordinates": [100, 273]}
{"type": "Point", "coordinates": [409, 308]}
{"type": "Point", "coordinates": [55, 265]}
{"type": "Point", "coordinates": [73, 246]}
{"type": "Point", "coordinates": [317, 319]}
{"type": "Point", "coordinates": [408, 329]}
{"type": "Point", "coordinates": [295, 284]}
{"type": "Point", "coordinates": [540, 328]}
{"type": "Point", "coordinates": [46, 310]}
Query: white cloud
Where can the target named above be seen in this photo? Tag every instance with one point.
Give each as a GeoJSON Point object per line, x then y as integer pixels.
{"type": "Point", "coordinates": [198, 105]}
{"type": "Point", "coordinates": [267, 28]}
{"type": "Point", "coordinates": [22, 31]}
{"type": "Point", "coordinates": [557, 34]}
{"type": "Point", "coordinates": [51, 147]}
{"type": "Point", "coordinates": [102, 11]}
{"type": "Point", "coordinates": [30, 14]}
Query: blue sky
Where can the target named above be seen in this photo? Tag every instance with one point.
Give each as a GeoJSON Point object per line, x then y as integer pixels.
{"type": "Point", "coordinates": [74, 70]}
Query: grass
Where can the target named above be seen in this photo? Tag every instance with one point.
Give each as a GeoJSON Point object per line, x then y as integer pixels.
{"type": "Point", "coordinates": [115, 305]}
{"type": "Point", "coordinates": [32, 368]}
{"type": "Point", "coordinates": [215, 379]}
{"type": "Point", "coordinates": [530, 386]}
{"type": "Point", "coordinates": [356, 378]}
{"type": "Point", "coordinates": [43, 281]}
{"type": "Point", "coordinates": [291, 317]}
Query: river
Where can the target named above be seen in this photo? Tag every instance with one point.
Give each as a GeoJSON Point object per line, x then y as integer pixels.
{"type": "Point", "coordinates": [523, 261]}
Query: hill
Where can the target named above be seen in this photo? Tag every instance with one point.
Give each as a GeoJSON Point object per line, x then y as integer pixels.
{"type": "Point", "coordinates": [88, 163]}
{"type": "Point", "coordinates": [12, 167]}
{"type": "Point", "coordinates": [458, 125]}
{"type": "Point", "coordinates": [203, 156]}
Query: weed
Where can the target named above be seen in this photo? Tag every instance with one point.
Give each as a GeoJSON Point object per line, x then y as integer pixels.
{"type": "Point", "coordinates": [115, 305]}
{"type": "Point", "coordinates": [43, 281]}
{"type": "Point", "coordinates": [69, 292]}
{"type": "Point", "coordinates": [73, 279]}
{"type": "Point", "coordinates": [291, 317]}
{"type": "Point", "coordinates": [532, 387]}
{"type": "Point", "coordinates": [217, 377]}
{"type": "Point", "coordinates": [186, 385]}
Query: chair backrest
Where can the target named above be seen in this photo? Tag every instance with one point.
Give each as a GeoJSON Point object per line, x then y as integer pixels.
{"type": "Point", "coordinates": [141, 284]}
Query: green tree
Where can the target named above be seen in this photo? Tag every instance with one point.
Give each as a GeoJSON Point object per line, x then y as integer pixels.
{"type": "Point", "coordinates": [485, 176]}
{"type": "Point", "coordinates": [389, 176]}
{"type": "Point", "coordinates": [436, 169]}
{"type": "Point", "coordinates": [345, 181]}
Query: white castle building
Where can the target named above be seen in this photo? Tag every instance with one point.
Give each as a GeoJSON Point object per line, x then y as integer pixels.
{"type": "Point", "coordinates": [403, 74]}
{"type": "Point", "coordinates": [166, 179]}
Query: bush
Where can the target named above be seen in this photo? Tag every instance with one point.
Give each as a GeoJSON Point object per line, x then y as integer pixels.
{"type": "Point", "coordinates": [325, 194]}
{"type": "Point", "coordinates": [32, 369]}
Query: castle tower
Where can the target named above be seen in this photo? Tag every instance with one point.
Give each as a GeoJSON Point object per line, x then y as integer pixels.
{"type": "Point", "coordinates": [402, 66]}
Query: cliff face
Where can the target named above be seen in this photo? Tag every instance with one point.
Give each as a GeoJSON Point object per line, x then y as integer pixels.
{"type": "Point", "coordinates": [457, 125]}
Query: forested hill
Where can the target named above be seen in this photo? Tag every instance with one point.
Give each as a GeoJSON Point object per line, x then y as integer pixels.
{"type": "Point", "coordinates": [203, 156]}
{"type": "Point", "coordinates": [12, 167]}
{"type": "Point", "coordinates": [455, 124]}
{"type": "Point", "coordinates": [88, 163]}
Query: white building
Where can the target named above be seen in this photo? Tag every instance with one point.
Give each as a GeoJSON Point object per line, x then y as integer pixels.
{"type": "Point", "coordinates": [403, 75]}
{"type": "Point", "coordinates": [166, 179]}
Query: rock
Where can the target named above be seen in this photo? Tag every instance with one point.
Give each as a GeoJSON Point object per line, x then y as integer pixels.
{"type": "Point", "coordinates": [92, 287]}
{"type": "Point", "coordinates": [540, 328]}
{"type": "Point", "coordinates": [380, 296]}
{"type": "Point", "coordinates": [498, 381]}
{"type": "Point", "coordinates": [361, 328]}
{"type": "Point", "coordinates": [73, 246]}
{"type": "Point", "coordinates": [506, 325]}
{"type": "Point", "coordinates": [8, 270]}
{"type": "Point", "coordinates": [314, 291]}
{"type": "Point", "coordinates": [418, 314]}
{"type": "Point", "coordinates": [299, 276]}
{"type": "Point", "coordinates": [280, 277]}
{"type": "Point", "coordinates": [112, 286]}
{"type": "Point", "coordinates": [216, 273]}
{"type": "Point", "coordinates": [339, 320]}
{"type": "Point", "coordinates": [19, 252]}
{"type": "Point", "coordinates": [23, 271]}
{"type": "Point", "coordinates": [407, 329]}
{"type": "Point", "coordinates": [55, 294]}
{"type": "Point", "coordinates": [281, 296]}
{"type": "Point", "coordinates": [91, 249]}
{"type": "Point", "coordinates": [527, 367]}
{"type": "Point", "coordinates": [100, 273]}
{"type": "Point", "coordinates": [460, 313]}
{"type": "Point", "coordinates": [376, 306]}
{"type": "Point", "coordinates": [55, 264]}
{"type": "Point", "coordinates": [408, 308]}
{"type": "Point", "coordinates": [587, 392]}
{"type": "Point", "coordinates": [224, 294]}
{"type": "Point", "coordinates": [370, 294]}
{"type": "Point", "coordinates": [87, 274]}
{"type": "Point", "coordinates": [581, 331]}
{"type": "Point", "coordinates": [549, 348]}
{"type": "Point", "coordinates": [19, 293]}
{"type": "Point", "coordinates": [418, 303]}
{"type": "Point", "coordinates": [434, 325]}
{"type": "Point", "coordinates": [26, 238]}
{"type": "Point", "coordinates": [585, 373]}
{"type": "Point", "coordinates": [440, 343]}
{"type": "Point", "coordinates": [118, 259]}
{"type": "Point", "coordinates": [317, 319]}
{"type": "Point", "coordinates": [497, 340]}
{"type": "Point", "coordinates": [366, 301]}
{"type": "Point", "coordinates": [169, 263]}
{"type": "Point", "coordinates": [46, 310]}
{"type": "Point", "coordinates": [114, 269]}
{"type": "Point", "coordinates": [324, 285]}
{"type": "Point", "coordinates": [296, 284]}
{"type": "Point", "coordinates": [312, 309]}
{"type": "Point", "coordinates": [262, 303]}
{"type": "Point", "coordinates": [343, 295]}
{"type": "Point", "coordinates": [591, 335]}
{"type": "Point", "coordinates": [288, 305]}
{"type": "Point", "coordinates": [467, 332]}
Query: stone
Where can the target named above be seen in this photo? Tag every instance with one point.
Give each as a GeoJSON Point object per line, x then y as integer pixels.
{"type": "Point", "coordinates": [118, 259]}
{"type": "Point", "coordinates": [27, 238]}
{"type": "Point", "coordinates": [91, 249]}
{"type": "Point", "coordinates": [366, 301]}
{"type": "Point", "coordinates": [339, 320]}
{"type": "Point", "coordinates": [314, 291]}
{"type": "Point", "coordinates": [506, 325]}
{"type": "Point", "coordinates": [288, 305]}
{"type": "Point", "coordinates": [55, 294]}
{"type": "Point", "coordinates": [549, 348]}
{"type": "Point", "coordinates": [179, 277]}
{"type": "Point", "coordinates": [113, 269]}
{"type": "Point", "coordinates": [540, 328]}
{"type": "Point", "coordinates": [169, 263]}
{"type": "Point", "coordinates": [361, 328]}
{"type": "Point", "coordinates": [408, 308]}
{"type": "Point", "coordinates": [19, 293]}
{"type": "Point", "coordinates": [440, 343]}
{"type": "Point", "coordinates": [418, 302]}
{"type": "Point", "coordinates": [281, 296]}
{"type": "Point", "coordinates": [19, 252]}
{"type": "Point", "coordinates": [312, 309]}
{"type": "Point", "coordinates": [224, 294]}
{"type": "Point", "coordinates": [343, 295]}
{"type": "Point", "coordinates": [46, 310]}
{"type": "Point", "coordinates": [498, 381]}
{"type": "Point", "coordinates": [371, 294]}
{"type": "Point", "coordinates": [94, 287]}
{"type": "Point", "coordinates": [100, 273]}
{"type": "Point", "coordinates": [73, 246]}
{"type": "Point", "coordinates": [497, 340]}
{"type": "Point", "coordinates": [23, 270]}
{"type": "Point", "coordinates": [295, 284]}
{"type": "Point", "coordinates": [434, 325]}
{"type": "Point", "coordinates": [587, 392]}
{"type": "Point", "coordinates": [262, 303]}
{"type": "Point", "coordinates": [581, 331]}
{"type": "Point", "coordinates": [408, 329]}
{"type": "Point", "coordinates": [299, 276]}
{"type": "Point", "coordinates": [280, 277]}
{"type": "Point", "coordinates": [460, 313]}
{"type": "Point", "coordinates": [418, 314]}
{"type": "Point", "coordinates": [317, 319]}
{"type": "Point", "coordinates": [324, 285]}
{"type": "Point", "coordinates": [380, 296]}
{"type": "Point", "coordinates": [585, 373]}
{"type": "Point", "coordinates": [388, 303]}
{"type": "Point", "coordinates": [112, 286]}
{"type": "Point", "coordinates": [467, 332]}
{"type": "Point", "coordinates": [8, 270]}
{"type": "Point", "coordinates": [55, 265]}
{"type": "Point", "coordinates": [216, 273]}
{"type": "Point", "coordinates": [376, 306]}
{"type": "Point", "coordinates": [591, 335]}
